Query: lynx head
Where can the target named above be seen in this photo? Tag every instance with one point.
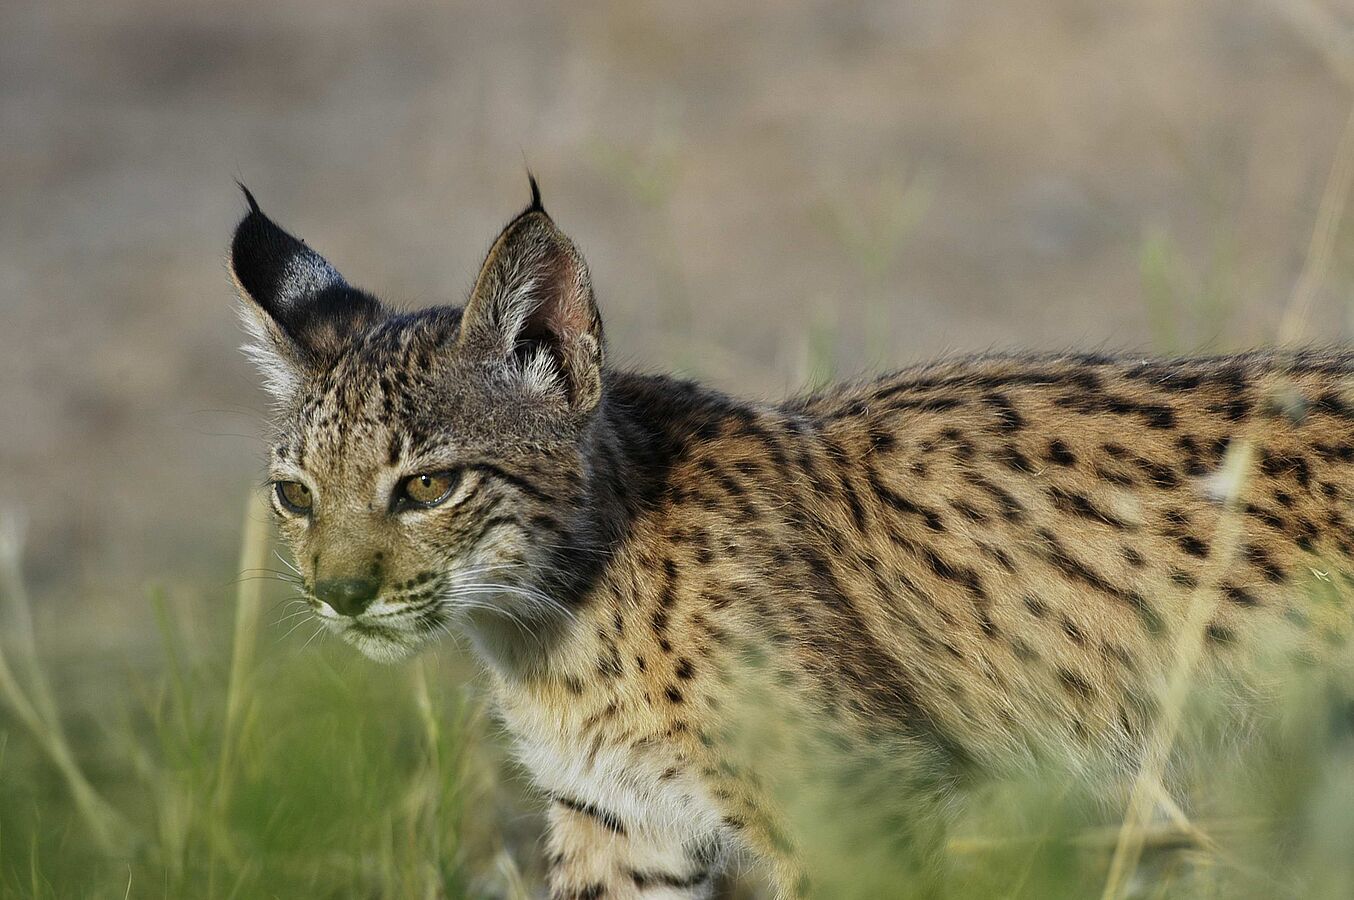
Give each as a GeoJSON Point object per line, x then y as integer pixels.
{"type": "Point", "coordinates": [427, 465]}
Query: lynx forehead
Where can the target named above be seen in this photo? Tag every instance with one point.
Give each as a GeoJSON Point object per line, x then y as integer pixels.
{"type": "Point", "coordinates": [964, 567]}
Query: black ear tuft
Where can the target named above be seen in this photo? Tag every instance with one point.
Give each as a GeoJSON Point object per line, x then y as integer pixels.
{"type": "Point", "coordinates": [536, 205]}
{"type": "Point", "coordinates": [249, 198]}
{"type": "Point", "coordinates": [296, 296]}
{"type": "Point", "coordinates": [277, 271]}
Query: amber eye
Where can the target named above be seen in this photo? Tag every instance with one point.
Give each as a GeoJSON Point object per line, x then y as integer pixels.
{"type": "Point", "coordinates": [294, 496]}
{"type": "Point", "coordinates": [427, 490]}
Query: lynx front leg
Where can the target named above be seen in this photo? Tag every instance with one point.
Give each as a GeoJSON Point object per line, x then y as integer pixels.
{"type": "Point", "coordinates": [769, 843]}
{"type": "Point", "coordinates": [595, 856]}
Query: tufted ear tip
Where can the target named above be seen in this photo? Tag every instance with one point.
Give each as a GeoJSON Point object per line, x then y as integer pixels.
{"type": "Point", "coordinates": [536, 204]}
{"type": "Point", "coordinates": [275, 269]}
{"type": "Point", "coordinates": [249, 198]}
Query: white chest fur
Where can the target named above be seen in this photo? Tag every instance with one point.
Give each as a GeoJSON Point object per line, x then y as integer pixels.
{"type": "Point", "coordinates": [644, 784]}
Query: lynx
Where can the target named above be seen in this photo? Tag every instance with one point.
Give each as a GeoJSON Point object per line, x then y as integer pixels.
{"type": "Point", "coordinates": [974, 565]}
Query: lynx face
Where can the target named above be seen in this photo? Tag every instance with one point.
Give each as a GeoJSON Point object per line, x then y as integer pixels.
{"type": "Point", "coordinates": [428, 466]}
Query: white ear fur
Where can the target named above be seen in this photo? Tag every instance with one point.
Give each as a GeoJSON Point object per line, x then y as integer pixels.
{"type": "Point", "coordinates": [265, 348]}
{"type": "Point", "coordinates": [520, 295]}
{"type": "Point", "coordinates": [540, 376]}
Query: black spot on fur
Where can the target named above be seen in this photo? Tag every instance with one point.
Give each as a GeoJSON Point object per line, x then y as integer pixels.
{"type": "Point", "coordinates": [1273, 520]}
{"type": "Point", "coordinates": [1184, 579]}
{"type": "Point", "coordinates": [1073, 568]}
{"type": "Point", "coordinates": [968, 511]}
{"type": "Point", "coordinates": [608, 820]}
{"type": "Point", "coordinates": [1075, 684]}
{"type": "Point", "coordinates": [1220, 634]}
{"type": "Point", "coordinates": [1073, 631]}
{"type": "Point", "coordinates": [1081, 505]}
{"type": "Point", "coordinates": [1260, 558]}
{"type": "Point", "coordinates": [1011, 510]}
{"type": "Point", "coordinates": [1011, 457]}
{"type": "Point", "coordinates": [1159, 475]}
{"type": "Point", "coordinates": [1008, 419]}
{"type": "Point", "coordinates": [645, 880]}
{"type": "Point", "coordinates": [1192, 545]}
{"type": "Point", "coordinates": [902, 504]}
{"type": "Point", "coordinates": [956, 573]}
{"type": "Point", "coordinates": [1276, 466]}
{"type": "Point", "coordinates": [1059, 454]}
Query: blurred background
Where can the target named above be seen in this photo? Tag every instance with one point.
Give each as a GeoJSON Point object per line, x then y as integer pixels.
{"type": "Point", "coordinates": [770, 194]}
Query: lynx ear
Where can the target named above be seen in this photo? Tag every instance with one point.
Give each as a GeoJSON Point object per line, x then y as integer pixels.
{"type": "Point", "coordinates": [297, 309]}
{"type": "Point", "coordinates": [533, 309]}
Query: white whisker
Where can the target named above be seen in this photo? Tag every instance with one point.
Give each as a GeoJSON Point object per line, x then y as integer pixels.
{"type": "Point", "coordinates": [289, 617]}
{"type": "Point", "coordinates": [293, 628]}
{"type": "Point", "coordinates": [313, 636]}
{"type": "Point", "coordinates": [283, 560]}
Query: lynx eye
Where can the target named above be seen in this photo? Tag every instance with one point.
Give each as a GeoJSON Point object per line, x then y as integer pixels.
{"type": "Point", "coordinates": [427, 490]}
{"type": "Point", "coordinates": [294, 496]}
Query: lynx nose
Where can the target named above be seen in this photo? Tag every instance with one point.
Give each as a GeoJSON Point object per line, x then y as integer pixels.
{"type": "Point", "coordinates": [348, 596]}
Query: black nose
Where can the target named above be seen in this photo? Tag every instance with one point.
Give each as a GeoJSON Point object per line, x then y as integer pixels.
{"type": "Point", "coordinates": [348, 596]}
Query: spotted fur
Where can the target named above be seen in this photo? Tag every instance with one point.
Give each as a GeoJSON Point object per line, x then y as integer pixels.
{"type": "Point", "coordinates": [977, 564]}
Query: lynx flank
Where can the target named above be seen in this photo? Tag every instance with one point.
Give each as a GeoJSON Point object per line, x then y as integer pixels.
{"type": "Point", "coordinates": [967, 567]}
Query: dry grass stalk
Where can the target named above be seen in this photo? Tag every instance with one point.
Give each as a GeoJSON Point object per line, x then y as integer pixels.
{"type": "Point", "coordinates": [431, 781]}
{"type": "Point", "coordinates": [37, 710]}
{"type": "Point", "coordinates": [254, 545]}
{"type": "Point", "coordinates": [1147, 786]}
{"type": "Point", "coordinates": [1163, 836]}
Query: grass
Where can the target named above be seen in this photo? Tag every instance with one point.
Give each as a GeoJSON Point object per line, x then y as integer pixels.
{"type": "Point", "coordinates": [290, 772]}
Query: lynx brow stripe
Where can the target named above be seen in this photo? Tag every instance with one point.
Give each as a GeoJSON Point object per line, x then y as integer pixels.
{"type": "Point", "coordinates": [517, 481]}
{"type": "Point", "coordinates": [490, 524]}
